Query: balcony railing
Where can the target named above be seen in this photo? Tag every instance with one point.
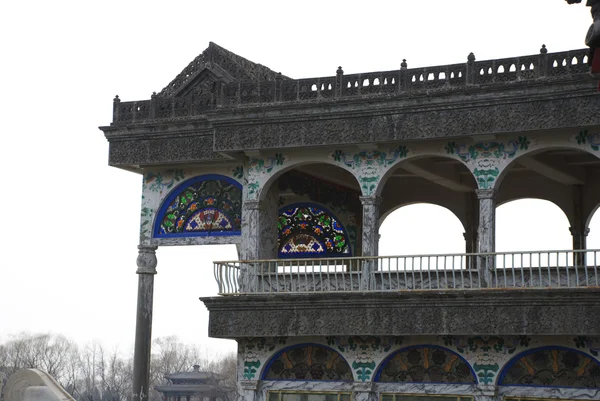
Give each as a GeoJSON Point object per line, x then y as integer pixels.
{"type": "Point", "coordinates": [535, 269]}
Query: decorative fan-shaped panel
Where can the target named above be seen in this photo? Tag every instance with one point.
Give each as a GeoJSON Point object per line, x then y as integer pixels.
{"type": "Point", "coordinates": [204, 205]}
{"type": "Point", "coordinates": [309, 230]}
{"type": "Point", "coordinates": [552, 367]}
{"type": "Point", "coordinates": [308, 362]}
{"type": "Point", "coordinates": [425, 364]}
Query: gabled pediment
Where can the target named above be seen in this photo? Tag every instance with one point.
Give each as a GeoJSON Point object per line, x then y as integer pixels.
{"type": "Point", "coordinates": [213, 65]}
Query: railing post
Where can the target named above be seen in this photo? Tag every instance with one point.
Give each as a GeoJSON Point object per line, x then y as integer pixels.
{"type": "Point", "coordinates": [470, 75]}
{"type": "Point", "coordinates": [116, 102]}
{"type": "Point", "coordinates": [339, 82]}
{"type": "Point", "coordinates": [403, 77]}
{"type": "Point", "coordinates": [152, 111]}
{"type": "Point", "coordinates": [277, 96]}
{"type": "Point", "coordinates": [542, 70]}
{"type": "Point", "coordinates": [486, 234]}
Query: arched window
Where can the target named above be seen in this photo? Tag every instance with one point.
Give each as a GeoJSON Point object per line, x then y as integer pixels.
{"type": "Point", "coordinates": [308, 230]}
{"type": "Point", "coordinates": [551, 367]}
{"type": "Point", "coordinates": [201, 206]}
{"type": "Point", "coordinates": [425, 364]}
{"type": "Point", "coordinates": [308, 362]}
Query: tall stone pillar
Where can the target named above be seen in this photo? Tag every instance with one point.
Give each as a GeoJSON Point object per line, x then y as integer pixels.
{"type": "Point", "coordinates": [146, 263]}
{"type": "Point", "coordinates": [471, 228]}
{"type": "Point", "coordinates": [578, 230]}
{"type": "Point", "coordinates": [486, 234]}
{"type": "Point", "coordinates": [370, 236]}
{"type": "Point", "coordinates": [259, 238]}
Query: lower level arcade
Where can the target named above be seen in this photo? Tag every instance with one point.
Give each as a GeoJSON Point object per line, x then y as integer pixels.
{"type": "Point", "coordinates": [419, 368]}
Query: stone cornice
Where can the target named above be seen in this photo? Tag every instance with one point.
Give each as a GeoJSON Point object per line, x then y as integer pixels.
{"type": "Point", "coordinates": [506, 312]}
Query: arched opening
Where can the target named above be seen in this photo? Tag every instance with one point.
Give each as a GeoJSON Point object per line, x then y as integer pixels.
{"type": "Point", "coordinates": [593, 238]}
{"type": "Point", "coordinates": [404, 232]}
{"type": "Point", "coordinates": [319, 210]}
{"type": "Point", "coordinates": [531, 225]}
{"type": "Point", "coordinates": [313, 362]}
{"type": "Point", "coordinates": [428, 206]}
{"type": "Point", "coordinates": [566, 179]}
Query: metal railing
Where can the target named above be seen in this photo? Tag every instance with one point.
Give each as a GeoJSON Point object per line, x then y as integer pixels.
{"type": "Point", "coordinates": [533, 269]}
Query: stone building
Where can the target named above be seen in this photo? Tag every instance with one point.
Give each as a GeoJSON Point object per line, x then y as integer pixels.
{"type": "Point", "coordinates": [300, 173]}
{"type": "Point", "coordinates": [193, 386]}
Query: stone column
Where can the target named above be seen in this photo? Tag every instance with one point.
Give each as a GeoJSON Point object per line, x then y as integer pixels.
{"type": "Point", "coordinates": [370, 237]}
{"type": "Point", "coordinates": [486, 233]}
{"type": "Point", "coordinates": [259, 239]}
{"type": "Point", "coordinates": [247, 390]}
{"type": "Point", "coordinates": [471, 227]}
{"type": "Point", "coordinates": [364, 392]}
{"type": "Point", "coordinates": [146, 263]}
{"type": "Point", "coordinates": [578, 230]}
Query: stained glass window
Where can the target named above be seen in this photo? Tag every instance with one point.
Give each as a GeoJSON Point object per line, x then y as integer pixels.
{"type": "Point", "coordinates": [552, 367]}
{"type": "Point", "coordinates": [310, 230]}
{"type": "Point", "coordinates": [205, 205]}
{"type": "Point", "coordinates": [308, 362]}
{"type": "Point", "coordinates": [426, 364]}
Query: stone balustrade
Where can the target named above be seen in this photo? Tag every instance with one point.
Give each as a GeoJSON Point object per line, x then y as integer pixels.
{"type": "Point", "coordinates": [405, 81]}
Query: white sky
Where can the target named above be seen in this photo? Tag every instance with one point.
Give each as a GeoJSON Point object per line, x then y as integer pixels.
{"type": "Point", "coordinates": [67, 259]}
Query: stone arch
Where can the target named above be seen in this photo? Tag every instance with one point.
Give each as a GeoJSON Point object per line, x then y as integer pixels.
{"type": "Point", "coordinates": [264, 189]}
{"type": "Point", "coordinates": [591, 215]}
{"type": "Point", "coordinates": [552, 366]}
{"type": "Point", "coordinates": [204, 205]}
{"type": "Point", "coordinates": [309, 361]}
{"type": "Point", "coordinates": [411, 158]}
{"type": "Point", "coordinates": [310, 230]}
{"type": "Point", "coordinates": [534, 151]}
{"type": "Point", "coordinates": [425, 364]}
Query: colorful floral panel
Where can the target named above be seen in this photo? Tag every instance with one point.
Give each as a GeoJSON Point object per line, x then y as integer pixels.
{"type": "Point", "coordinates": [206, 205]}
{"type": "Point", "coordinates": [309, 230]}
{"type": "Point", "coordinates": [308, 362]}
{"type": "Point", "coordinates": [552, 367]}
{"type": "Point", "coordinates": [426, 364]}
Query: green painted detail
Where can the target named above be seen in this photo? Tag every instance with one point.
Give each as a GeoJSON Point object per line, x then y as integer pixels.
{"type": "Point", "coordinates": [253, 188]}
{"type": "Point", "coordinates": [370, 158]}
{"type": "Point", "coordinates": [486, 177]}
{"type": "Point", "coordinates": [592, 344]}
{"type": "Point", "coordinates": [486, 372]}
{"type": "Point", "coordinates": [584, 137]}
{"type": "Point", "coordinates": [238, 172]}
{"type": "Point", "coordinates": [368, 184]}
{"type": "Point", "coordinates": [250, 369]}
{"type": "Point", "coordinates": [364, 370]}
{"type": "Point", "coordinates": [266, 166]}
{"type": "Point", "coordinates": [157, 182]}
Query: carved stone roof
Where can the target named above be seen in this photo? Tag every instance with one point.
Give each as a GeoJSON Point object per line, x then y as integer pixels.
{"type": "Point", "coordinates": [221, 65]}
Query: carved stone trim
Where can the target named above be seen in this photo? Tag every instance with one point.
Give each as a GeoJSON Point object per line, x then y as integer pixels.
{"type": "Point", "coordinates": [146, 260]}
{"type": "Point", "coordinates": [486, 193]}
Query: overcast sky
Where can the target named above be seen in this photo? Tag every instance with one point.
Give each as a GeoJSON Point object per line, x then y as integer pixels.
{"type": "Point", "coordinates": [67, 260]}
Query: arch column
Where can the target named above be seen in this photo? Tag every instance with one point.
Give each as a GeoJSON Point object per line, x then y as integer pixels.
{"type": "Point", "coordinates": [486, 233]}
{"type": "Point", "coordinates": [578, 229]}
{"type": "Point", "coordinates": [146, 269]}
{"type": "Point", "coordinates": [370, 236]}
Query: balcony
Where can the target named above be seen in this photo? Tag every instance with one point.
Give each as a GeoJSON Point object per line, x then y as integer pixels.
{"type": "Point", "coordinates": [501, 270]}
